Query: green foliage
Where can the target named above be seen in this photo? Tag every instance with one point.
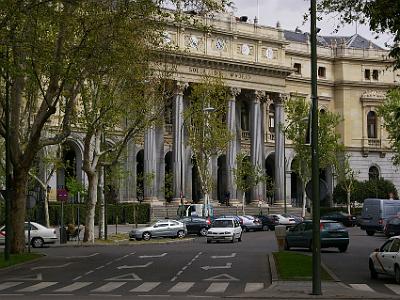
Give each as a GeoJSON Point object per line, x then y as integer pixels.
{"type": "Point", "coordinates": [207, 130]}
{"type": "Point", "coordinates": [168, 188]}
{"type": "Point", "coordinates": [16, 259]}
{"type": "Point", "coordinates": [74, 187]}
{"type": "Point", "coordinates": [247, 175]}
{"type": "Point", "coordinates": [390, 111]}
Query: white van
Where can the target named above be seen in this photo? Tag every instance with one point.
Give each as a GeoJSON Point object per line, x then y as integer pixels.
{"type": "Point", "coordinates": [198, 210]}
{"type": "Point", "coordinates": [375, 212]}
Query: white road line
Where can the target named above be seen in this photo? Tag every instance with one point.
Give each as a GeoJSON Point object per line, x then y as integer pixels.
{"type": "Point", "coordinates": [51, 267]}
{"type": "Point", "coordinates": [38, 286]}
{"type": "Point", "coordinates": [253, 287]}
{"type": "Point", "coordinates": [76, 278]}
{"type": "Point", "coordinates": [361, 287]}
{"type": "Point", "coordinates": [145, 287]}
{"type": "Point", "coordinates": [84, 256]}
{"type": "Point", "coordinates": [108, 287]}
{"type": "Point", "coordinates": [55, 295]}
{"type": "Point", "coordinates": [224, 256]}
{"type": "Point", "coordinates": [394, 287]}
{"type": "Point", "coordinates": [11, 295]}
{"type": "Point", "coordinates": [153, 256]}
{"type": "Point", "coordinates": [217, 287]}
{"type": "Point", "coordinates": [89, 272]}
{"type": "Point", "coordinates": [73, 287]}
{"type": "Point", "coordinates": [181, 287]}
{"type": "Point", "coordinates": [174, 278]}
{"type": "Point", "coordinates": [101, 267]}
{"type": "Point", "coordinates": [179, 273]}
{"type": "Point", "coordinates": [184, 268]}
{"type": "Point", "coordinates": [6, 285]}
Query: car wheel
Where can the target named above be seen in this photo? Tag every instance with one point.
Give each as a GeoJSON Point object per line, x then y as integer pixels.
{"type": "Point", "coordinates": [342, 248]}
{"type": "Point", "coordinates": [37, 242]}
{"type": "Point", "coordinates": [372, 270]}
{"type": "Point", "coordinates": [245, 228]}
{"type": "Point", "coordinates": [397, 274]}
{"type": "Point", "coordinates": [146, 236]}
{"type": "Point", "coordinates": [181, 234]}
{"type": "Point", "coordinates": [265, 228]}
{"type": "Point", "coordinates": [287, 247]}
{"type": "Point", "coordinates": [370, 232]}
{"type": "Point", "coordinates": [240, 238]}
{"type": "Point", "coordinates": [203, 231]}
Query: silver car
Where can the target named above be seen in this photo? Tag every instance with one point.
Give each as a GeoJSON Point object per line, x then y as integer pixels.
{"type": "Point", "coordinates": [164, 228]}
{"type": "Point", "coordinates": [40, 235]}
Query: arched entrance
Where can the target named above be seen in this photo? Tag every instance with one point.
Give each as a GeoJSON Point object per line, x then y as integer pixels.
{"type": "Point", "coordinates": [140, 175]}
{"type": "Point", "coordinates": [222, 174]}
{"type": "Point", "coordinates": [296, 188]}
{"type": "Point", "coordinates": [196, 184]}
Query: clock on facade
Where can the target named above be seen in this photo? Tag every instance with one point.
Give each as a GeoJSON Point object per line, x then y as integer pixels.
{"type": "Point", "coordinates": [245, 49]}
{"type": "Point", "coordinates": [269, 53]}
{"type": "Point", "coordinates": [193, 41]}
{"type": "Point", "coordinates": [220, 44]}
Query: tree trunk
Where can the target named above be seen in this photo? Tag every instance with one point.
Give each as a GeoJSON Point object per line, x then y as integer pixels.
{"type": "Point", "coordinates": [243, 202]}
{"type": "Point", "coordinates": [348, 202]}
{"type": "Point", "coordinates": [18, 209]}
{"type": "Point", "coordinates": [101, 200]}
{"type": "Point", "coordinates": [46, 210]}
{"type": "Point", "coordinates": [303, 209]}
{"type": "Point", "coordinates": [93, 180]}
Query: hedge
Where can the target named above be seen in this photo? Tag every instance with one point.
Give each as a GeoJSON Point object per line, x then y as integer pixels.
{"type": "Point", "coordinates": [123, 212]}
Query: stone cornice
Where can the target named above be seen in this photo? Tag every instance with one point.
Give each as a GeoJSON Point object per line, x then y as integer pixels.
{"type": "Point", "coordinates": [365, 85]}
{"type": "Point", "coordinates": [321, 82]}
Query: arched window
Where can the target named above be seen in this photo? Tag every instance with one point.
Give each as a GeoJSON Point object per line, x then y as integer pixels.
{"type": "Point", "coordinates": [371, 124]}
{"type": "Point", "coordinates": [271, 118]}
{"type": "Point", "coordinates": [373, 173]}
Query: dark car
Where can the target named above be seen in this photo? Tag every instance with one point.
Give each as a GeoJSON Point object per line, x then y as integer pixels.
{"type": "Point", "coordinates": [392, 226]}
{"type": "Point", "coordinates": [333, 234]}
{"type": "Point", "coordinates": [196, 225]}
{"type": "Point", "coordinates": [342, 217]}
{"type": "Point", "coordinates": [268, 222]}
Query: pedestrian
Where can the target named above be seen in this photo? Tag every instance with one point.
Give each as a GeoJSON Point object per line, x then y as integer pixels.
{"type": "Point", "coordinates": [391, 196]}
{"type": "Point", "coordinates": [227, 195]}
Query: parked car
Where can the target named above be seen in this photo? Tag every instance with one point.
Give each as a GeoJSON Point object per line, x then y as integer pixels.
{"type": "Point", "coordinates": [40, 235]}
{"type": "Point", "coordinates": [386, 259]}
{"type": "Point", "coordinates": [232, 217]}
{"type": "Point", "coordinates": [342, 217]}
{"type": "Point", "coordinates": [196, 225]}
{"type": "Point", "coordinates": [333, 234]}
{"type": "Point", "coordinates": [392, 226]}
{"type": "Point", "coordinates": [251, 223]}
{"type": "Point", "coordinates": [296, 218]}
{"type": "Point", "coordinates": [267, 222]}
{"type": "Point", "coordinates": [225, 229]}
{"type": "Point", "coordinates": [284, 220]}
{"type": "Point", "coordinates": [164, 228]}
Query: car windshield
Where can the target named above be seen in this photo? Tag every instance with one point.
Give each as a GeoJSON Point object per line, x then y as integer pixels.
{"type": "Point", "coordinates": [223, 223]}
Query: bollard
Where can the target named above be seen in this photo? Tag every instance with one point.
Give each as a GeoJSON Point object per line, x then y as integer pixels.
{"type": "Point", "coordinates": [280, 234]}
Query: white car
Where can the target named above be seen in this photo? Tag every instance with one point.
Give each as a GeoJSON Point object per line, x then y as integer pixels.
{"type": "Point", "coordinates": [40, 235]}
{"type": "Point", "coordinates": [225, 229]}
{"type": "Point", "coordinates": [386, 259]}
{"type": "Point", "coordinates": [288, 221]}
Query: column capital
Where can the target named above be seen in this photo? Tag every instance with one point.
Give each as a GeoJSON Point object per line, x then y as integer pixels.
{"type": "Point", "coordinates": [259, 95]}
{"type": "Point", "coordinates": [281, 98]}
{"type": "Point", "coordinates": [234, 91]}
{"type": "Point", "coordinates": [180, 87]}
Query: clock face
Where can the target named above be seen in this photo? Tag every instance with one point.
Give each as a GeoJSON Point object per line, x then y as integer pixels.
{"type": "Point", "coordinates": [245, 49]}
{"type": "Point", "coordinates": [193, 41]}
{"type": "Point", "coordinates": [269, 53]}
{"type": "Point", "coordinates": [167, 38]}
{"type": "Point", "coordinates": [220, 44]}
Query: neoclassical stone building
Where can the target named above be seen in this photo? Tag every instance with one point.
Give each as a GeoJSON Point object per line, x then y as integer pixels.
{"type": "Point", "coordinates": [263, 66]}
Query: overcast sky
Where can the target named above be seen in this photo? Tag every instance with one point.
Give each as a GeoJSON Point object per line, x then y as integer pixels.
{"type": "Point", "coordinates": [290, 15]}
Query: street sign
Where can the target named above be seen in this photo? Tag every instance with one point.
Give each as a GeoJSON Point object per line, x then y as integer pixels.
{"type": "Point", "coordinates": [323, 189]}
{"type": "Point", "coordinates": [62, 195]}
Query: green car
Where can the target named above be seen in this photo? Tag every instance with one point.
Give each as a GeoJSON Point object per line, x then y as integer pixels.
{"type": "Point", "coordinates": [333, 234]}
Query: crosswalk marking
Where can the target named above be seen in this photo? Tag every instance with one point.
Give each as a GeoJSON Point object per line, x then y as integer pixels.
{"type": "Point", "coordinates": [146, 287]}
{"type": "Point", "coordinates": [6, 285]}
{"type": "Point", "coordinates": [361, 287]}
{"type": "Point", "coordinates": [217, 287]}
{"type": "Point", "coordinates": [181, 287]}
{"type": "Point", "coordinates": [108, 287]}
{"type": "Point", "coordinates": [253, 287]}
{"type": "Point", "coordinates": [394, 287]}
{"type": "Point", "coordinates": [38, 286]}
{"type": "Point", "coordinates": [73, 287]}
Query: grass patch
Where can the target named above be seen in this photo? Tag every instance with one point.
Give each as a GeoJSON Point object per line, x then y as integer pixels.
{"type": "Point", "coordinates": [16, 259]}
{"type": "Point", "coordinates": [296, 266]}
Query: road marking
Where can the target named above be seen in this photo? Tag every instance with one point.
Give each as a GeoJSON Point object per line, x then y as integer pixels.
{"type": "Point", "coordinates": [131, 267]}
{"type": "Point", "coordinates": [185, 267]}
{"type": "Point", "coordinates": [224, 256]}
{"type": "Point", "coordinates": [361, 287]}
{"type": "Point", "coordinates": [101, 267]}
{"type": "Point", "coordinates": [222, 277]}
{"type": "Point", "coordinates": [227, 266]}
{"type": "Point", "coordinates": [38, 286]}
{"type": "Point", "coordinates": [89, 272]}
{"type": "Point", "coordinates": [51, 267]}
{"type": "Point", "coordinates": [181, 287]}
{"type": "Point", "coordinates": [73, 287]}
{"type": "Point", "coordinates": [125, 277]}
{"type": "Point", "coordinates": [146, 287]}
{"type": "Point", "coordinates": [217, 287]}
{"type": "Point", "coordinates": [6, 285]}
{"type": "Point", "coordinates": [55, 295]}
{"type": "Point", "coordinates": [108, 287]}
{"type": "Point", "coordinates": [76, 278]}
{"type": "Point", "coordinates": [83, 256]}
{"type": "Point", "coordinates": [394, 287]}
{"type": "Point", "coordinates": [253, 287]}
{"type": "Point", "coordinates": [28, 277]}
{"type": "Point", "coordinates": [153, 256]}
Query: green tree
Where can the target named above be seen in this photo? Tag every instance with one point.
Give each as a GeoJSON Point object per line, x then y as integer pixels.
{"type": "Point", "coordinates": [297, 113]}
{"type": "Point", "coordinates": [382, 16]}
{"type": "Point", "coordinates": [204, 120]}
{"type": "Point", "coordinates": [346, 178]}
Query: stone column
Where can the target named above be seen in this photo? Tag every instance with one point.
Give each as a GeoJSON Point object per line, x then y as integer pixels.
{"type": "Point", "coordinates": [257, 144]}
{"type": "Point", "coordinates": [232, 148]}
{"type": "Point", "coordinates": [178, 144]}
{"type": "Point", "coordinates": [150, 166]}
{"type": "Point", "coordinates": [279, 151]}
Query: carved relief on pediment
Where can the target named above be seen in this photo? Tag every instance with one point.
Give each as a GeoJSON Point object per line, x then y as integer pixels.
{"type": "Point", "coordinates": [373, 96]}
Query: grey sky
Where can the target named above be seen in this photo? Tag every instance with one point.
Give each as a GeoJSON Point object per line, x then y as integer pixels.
{"type": "Point", "coordinates": [290, 14]}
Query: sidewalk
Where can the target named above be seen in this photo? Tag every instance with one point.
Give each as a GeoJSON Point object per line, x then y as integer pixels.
{"type": "Point", "coordinates": [302, 289]}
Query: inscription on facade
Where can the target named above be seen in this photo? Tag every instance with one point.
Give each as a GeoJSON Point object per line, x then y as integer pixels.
{"type": "Point", "coordinates": [212, 72]}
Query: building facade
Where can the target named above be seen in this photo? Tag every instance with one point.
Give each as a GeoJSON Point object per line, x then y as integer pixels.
{"type": "Point", "coordinates": [263, 67]}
